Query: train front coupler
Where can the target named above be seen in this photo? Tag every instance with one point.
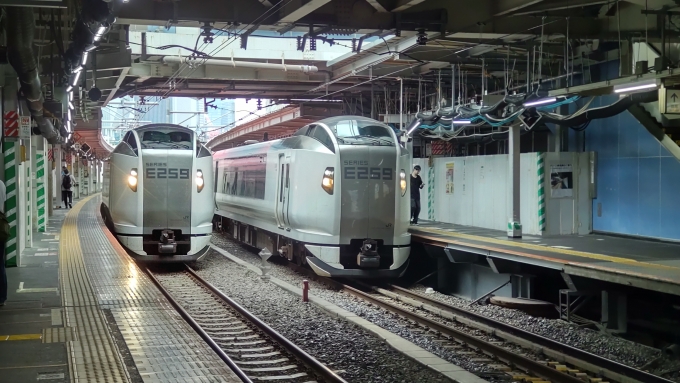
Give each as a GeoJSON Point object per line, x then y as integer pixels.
{"type": "Point", "coordinates": [368, 257]}
{"type": "Point", "coordinates": [167, 244]}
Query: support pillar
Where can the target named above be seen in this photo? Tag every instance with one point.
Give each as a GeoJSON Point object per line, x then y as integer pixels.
{"type": "Point", "coordinates": [615, 311]}
{"type": "Point", "coordinates": [56, 173]}
{"type": "Point", "coordinates": [77, 176]}
{"type": "Point", "coordinates": [40, 184]}
{"type": "Point", "coordinates": [514, 223]}
{"type": "Point", "coordinates": [28, 169]}
{"type": "Point", "coordinates": [9, 149]}
{"type": "Point", "coordinates": [49, 183]}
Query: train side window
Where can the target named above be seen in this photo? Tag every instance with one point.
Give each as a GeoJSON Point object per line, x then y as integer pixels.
{"type": "Point", "coordinates": [281, 194]}
{"type": "Point", "coordinates": [217, 174]}
{"type": "Point", "coordinates": [287, 176]}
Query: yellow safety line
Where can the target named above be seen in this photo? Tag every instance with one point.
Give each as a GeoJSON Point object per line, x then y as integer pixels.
{"type": "Point", "coordinates": [600, 257]}
{"type": "Point", "coordinates": [6, 338]}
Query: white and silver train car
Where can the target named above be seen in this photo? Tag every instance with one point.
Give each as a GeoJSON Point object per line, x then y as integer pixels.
{"type": "Point", "coordinates": [157, 196]}
{"type": "Point", "coordinates": [333, 195]}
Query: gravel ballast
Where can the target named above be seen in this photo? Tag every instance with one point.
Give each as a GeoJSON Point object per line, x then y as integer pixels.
{"type": "Point", "coordinates": [611, 347]}
{"type": "Point", "coordinates": [354, 352]}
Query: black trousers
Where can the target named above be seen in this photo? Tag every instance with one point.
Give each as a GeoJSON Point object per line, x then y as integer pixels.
{"type": "Point", "coordinates": [415, 209]}
{"type": "Point", "coordinates": [67, 197]}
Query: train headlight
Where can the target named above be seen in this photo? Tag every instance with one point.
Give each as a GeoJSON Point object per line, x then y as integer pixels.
{"type": "Point", "coordinates": [132, 180]}
{"type": "Point", "coordinates": [402, 182]}
{"type": "Point", "coordinates": [199, 180]}
{"type": "Point", "coordinates": [327, 181]}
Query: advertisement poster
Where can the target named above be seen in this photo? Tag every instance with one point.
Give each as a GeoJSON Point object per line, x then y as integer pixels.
{"type": "Point", "coordinates": [561, 181]}
{"type": "Point", "coordinates": [449, 178]}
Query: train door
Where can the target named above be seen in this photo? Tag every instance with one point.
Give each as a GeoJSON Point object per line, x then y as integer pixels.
{"type": "Point", "coordinates": [283, 192]}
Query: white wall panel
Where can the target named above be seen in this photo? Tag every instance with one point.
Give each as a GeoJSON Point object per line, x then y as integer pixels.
{"type": "Point", "coordinates": [480, 192]}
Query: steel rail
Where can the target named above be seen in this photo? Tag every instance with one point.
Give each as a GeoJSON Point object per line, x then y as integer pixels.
{"type": "Point", "coordinates": [326, 373]}
{"type": "Point", "coordinates": [597, 360]}
{"type": "Point", "coordinates": [187, 317]}
{"type": "Point", "coordinates": [508, 356]}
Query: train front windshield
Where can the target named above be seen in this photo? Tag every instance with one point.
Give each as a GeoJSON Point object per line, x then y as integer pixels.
{"type": "Point", "coordinates": [360, 131]}
{"type": "Point", "coordinates": [164, 139]}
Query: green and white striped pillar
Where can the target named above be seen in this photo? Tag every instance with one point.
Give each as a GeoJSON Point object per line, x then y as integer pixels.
{"type": "Point", "coordinates": [29, 212]}
{"type": "Point", "coordinates": [430, 193]}
{"type": "Point", "coordinates": [540, 162]}
{"type": "Point", "coordinates": [9, 150]}
{"type": "Point", "coordinates": [40, 191]}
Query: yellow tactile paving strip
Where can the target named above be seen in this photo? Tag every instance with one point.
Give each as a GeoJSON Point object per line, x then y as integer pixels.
{"type": "Point", "coordinates": [528, 246]}
{"type": "Point", "coordinates": [7, 338]}
{"type": "Point", "coordinates": [93, 356]}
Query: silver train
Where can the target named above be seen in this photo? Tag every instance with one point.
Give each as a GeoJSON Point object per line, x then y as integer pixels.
{"type": "Point", "coordinates": [333, 195]}
{"type": "Point", "coordinates": [157, 194]}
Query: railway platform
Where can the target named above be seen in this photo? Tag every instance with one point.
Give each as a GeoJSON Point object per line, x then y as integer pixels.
{"type": "Point", "coordinates": [643, 264]}
{"type": "Point", "coordinates": [80, 310]}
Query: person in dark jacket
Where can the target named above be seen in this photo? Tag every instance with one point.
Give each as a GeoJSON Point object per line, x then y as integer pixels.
{"type": "Point", "coordinates": [67, 182]}
{"type": "Point", "coordinates": [416, 185]}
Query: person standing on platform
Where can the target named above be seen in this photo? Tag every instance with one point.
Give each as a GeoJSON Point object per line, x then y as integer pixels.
{"type": "Point", "coordinates": [5, 234]}
{"type": "Point", "coordinates": [416, 185]}
{"type": "Point", "coordinates": [64, 169]}
{"type": "Point", "coordinates": [67, 181]}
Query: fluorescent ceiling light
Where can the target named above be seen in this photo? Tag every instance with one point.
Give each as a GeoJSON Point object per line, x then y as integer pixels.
{"type": "Point", "coordinates": [85, 54]}
{"type": "Point", "coordinates": [69, 114]}
{"type": "Point", "coordinates": [70, 96]}
{"type": "Point", "coordinates": [76, 78]}
{"type": "Point", "coordinates": [414, 128]}
{"type": "Point", "coordinates": [100, 33]}
{"type": "Point", "coordinates": [78, 69]}
{"type": "Point", "coordinates": [69, 89]}
{"type": "Point", "coordinates": [90, 48]}
{"type": "Point", "coordinates": [461, 122]}
{"type": "Point", "coordinates": [542, 101]}
{"type": "Point", "coordinates": [70, 105]}
{"type": "Point", "coordinates": [634, 87]}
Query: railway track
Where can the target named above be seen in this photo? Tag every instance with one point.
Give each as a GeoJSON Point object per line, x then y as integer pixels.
{"type": "Point", "coordinates": [538, 358]}
{"type": "Point", "coordinates": [252, 349]}
{"type": "Point", "coordinates": [579, 359]}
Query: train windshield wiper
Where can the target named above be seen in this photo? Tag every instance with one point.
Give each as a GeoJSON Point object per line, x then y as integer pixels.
{"type": "Point", "coordinates": [170, 144]}
{"type": "Point", "coordinates": [378, 140]}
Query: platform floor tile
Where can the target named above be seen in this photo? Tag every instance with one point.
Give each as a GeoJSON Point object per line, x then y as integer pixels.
{"type": "Point", "coordinates": [99, 278]}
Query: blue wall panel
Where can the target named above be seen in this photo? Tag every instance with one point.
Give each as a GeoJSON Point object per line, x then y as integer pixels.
{"type": "Point", "coordinates": [638, 181]}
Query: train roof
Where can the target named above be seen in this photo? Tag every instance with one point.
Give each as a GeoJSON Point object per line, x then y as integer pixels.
{"type": "Point", "coordinates": [164, 126]}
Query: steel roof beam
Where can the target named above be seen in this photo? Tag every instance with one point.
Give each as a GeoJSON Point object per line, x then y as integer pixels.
{"type": "Point", "coordinates": [374, 55]}
{"type": "Point", "coordinates": [403, 5]}
{"type": "Point", "coordinates": [561, 5]}
{"type": "Point", "coordinates": [505, 7]}
{"type": "Point", "coordinates": [299, 10]}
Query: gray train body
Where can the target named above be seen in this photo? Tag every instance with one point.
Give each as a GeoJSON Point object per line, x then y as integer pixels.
{"type": "Point", "coordinates": [157, 196]}
{"type": "Point", "coordinates": [333, 195]}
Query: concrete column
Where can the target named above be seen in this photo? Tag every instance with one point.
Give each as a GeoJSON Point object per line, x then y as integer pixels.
{"type": "Point", "coordinates": [56, 179]}
{"type": "Point", "coordinates": [49, 183]}
{"type": "Point", "coordinates": [615, 311]}
{"type": "Point", "coordinates": [30, 200]}
{"type": "Point", "coordinates": [10, 150]}
{"type": "Point", "coordinates": [12, 159]}
{"type": "Point", "coordinates": [76, 174]}
{"type": "Point", "coordinates": [514, 224]}
{"type": "Point", "coordinates": [41, 184]}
